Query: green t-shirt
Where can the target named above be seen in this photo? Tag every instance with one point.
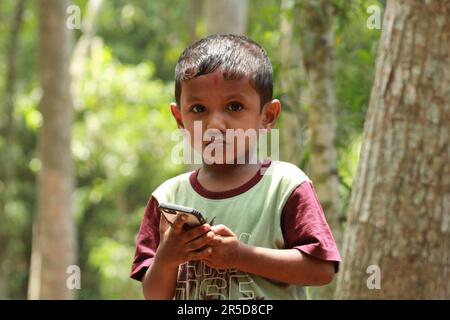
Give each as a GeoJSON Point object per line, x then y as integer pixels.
{"type": "Point", "coordinates": [254, 216]}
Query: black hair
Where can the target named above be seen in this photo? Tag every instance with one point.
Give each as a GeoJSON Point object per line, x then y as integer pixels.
{"type": "Point", "coordinates": [235, 55]}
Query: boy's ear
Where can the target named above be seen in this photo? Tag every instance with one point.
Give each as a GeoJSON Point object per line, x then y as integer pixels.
{"type": "Point", "coordinates": [176, 112]}
{"type": "Point", "coordinates": [271, 112]}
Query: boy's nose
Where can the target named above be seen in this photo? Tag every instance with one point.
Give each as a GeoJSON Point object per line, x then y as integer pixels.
{"type": "Point", "coordinates": [216, 122]}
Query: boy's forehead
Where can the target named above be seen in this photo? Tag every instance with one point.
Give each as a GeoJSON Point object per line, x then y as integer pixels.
{"type": "Point", "coordinates": [214, 79]}
{"type": "Point", "coordinates": [213, 82]}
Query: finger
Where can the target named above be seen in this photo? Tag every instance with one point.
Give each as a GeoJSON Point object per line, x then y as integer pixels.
{"type": "Point", "coordinates": [196, 232]}
{"type": "Point", "coordinates": [222, 230]}
{"type": "Point", "coordinates": [200, 255]}
{"type": "Point", "coordinates": [216, 241]}
{"type": "Point", "coordinates": [163, 224]}
{"type": "Point", "coordinates": [200, 242]}
{"type": "Point", "coordinates": [178, 223]}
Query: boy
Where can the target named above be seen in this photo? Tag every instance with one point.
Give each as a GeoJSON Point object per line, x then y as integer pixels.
{"type": "Point", "coordinates": [270, 237]}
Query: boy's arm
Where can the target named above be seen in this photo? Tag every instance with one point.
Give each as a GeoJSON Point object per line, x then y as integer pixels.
{"type": "Point", "coordinates": [177, 246]}
{"type": "Point", "coordinates": [159, 282]}
{"type": "Point", "coordinates": [160, 279]}
{"type": "Point", "coordinates": [310, 257]}
{"type": "Point", "coordinates": [283, 265]}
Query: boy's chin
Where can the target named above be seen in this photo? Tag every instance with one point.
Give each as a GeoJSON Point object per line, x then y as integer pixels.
{"type": "Point", "coordinates": [224, 160]}
{"type": "Point", "coordinates": [211, 160]}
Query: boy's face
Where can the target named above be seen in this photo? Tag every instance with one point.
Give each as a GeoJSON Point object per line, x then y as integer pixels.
{"type": "Point", "coordinates": [220, 105]}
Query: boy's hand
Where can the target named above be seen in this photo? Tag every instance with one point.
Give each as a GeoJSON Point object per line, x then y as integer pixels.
{"type": "Point", "coordinates": [178, 246]}
{"type": "Point", "coordinates": [225, 249]}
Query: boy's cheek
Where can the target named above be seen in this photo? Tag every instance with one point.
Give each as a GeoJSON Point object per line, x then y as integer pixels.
{"type": "Point", "coordinates": [197, 143]}
{"type": "Point", "coordinates": [190, 138]}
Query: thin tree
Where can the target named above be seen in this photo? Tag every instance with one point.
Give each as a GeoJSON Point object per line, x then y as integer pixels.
{"type": "Point", "coordinates": [54, 246]}
{"type": "Point", "coordinates": [195, 8]}
{"type": "Point", "coordinates": [293, 132]}
{"type": "Point", "coordinates": [314, 24]}
{"type": "Point", "coordinates": [226, 16]}
{"type": "Point", "coordinates": [317, 43]}
{"type": "Point", "coordinates": [81, 49]}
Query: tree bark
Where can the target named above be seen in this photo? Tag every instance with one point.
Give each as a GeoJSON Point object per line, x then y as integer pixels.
{"type": "Point", "coordinates": [7, 169]}
{"type": "Point", "coordinates": [195, 9]}
{"type": "Point", "coordinates": [400, 208]}
{"type": "Point", "coordinates": [81, 49]}
{"type": "Point", "coordinates": [318, 55]}
{"type": "Point", "coordinates": [226, 16]}
{"type": "Point", "coordinates": [54, 246]}
{"type": "Point", "coordinates": [315, 20]}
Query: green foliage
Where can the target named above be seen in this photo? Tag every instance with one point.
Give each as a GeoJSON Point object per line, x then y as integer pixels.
{"type": "Point", "coordinates": [122, 152]}
{"type": "Point", "coordinates": [113, 258]}
{"type": "Point", "coordinates": [17, 198]}
{"type": "Point", "coordinates": [356, 49]}
{"type": "Point", "coordinates": [139, 31]}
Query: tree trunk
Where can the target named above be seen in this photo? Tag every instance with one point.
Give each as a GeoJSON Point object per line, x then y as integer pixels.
{"type": "Point", "coordinates": [7, 169]}
{"type": "Point", "coordinates": [400, 209]}
{"type": "Point", "coordinates": [81, 50]}
{"type": "Point", "coordinates": [293, 133]}
{"type": "Point", "coordinates": [226, 16]}
{"type": "Point", "coordinates": [316, 28]}
{"type": "Point", "coordinates": [54, 246]}
{"type": "Point", "coordinates": [315, 19]}
{"type": "Point", "coordinates": [195, 9]}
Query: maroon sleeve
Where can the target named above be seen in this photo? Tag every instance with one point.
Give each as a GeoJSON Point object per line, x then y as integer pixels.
{"type": "Point", "coordinates": [305, 227]}
{"type": "Point", "coordinates": [147, 240]}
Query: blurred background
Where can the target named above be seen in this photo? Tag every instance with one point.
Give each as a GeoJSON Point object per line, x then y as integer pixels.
{"type": "Point", "coordinates": [85, 87]}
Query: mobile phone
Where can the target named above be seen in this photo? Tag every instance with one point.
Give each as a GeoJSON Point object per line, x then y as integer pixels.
{"type": "Point", "coordinates": [170, 212]}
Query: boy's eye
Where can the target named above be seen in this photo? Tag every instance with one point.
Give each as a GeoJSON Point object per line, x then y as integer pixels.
{"type": "Point", "coordinates": [234, 106]}
{"type": "Point", "coordinates": [197, 108]}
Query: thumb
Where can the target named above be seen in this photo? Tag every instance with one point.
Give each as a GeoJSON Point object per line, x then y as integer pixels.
{"type": "Point", "coordinates": [163, 224]}
{"type": "Point", "coordinates": [179, 223]}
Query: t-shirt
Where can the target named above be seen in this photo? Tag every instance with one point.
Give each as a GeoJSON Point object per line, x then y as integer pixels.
{"type": "Point", "coordinates": [277, 208]}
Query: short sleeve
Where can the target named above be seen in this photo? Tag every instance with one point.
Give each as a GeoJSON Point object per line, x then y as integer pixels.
{"type": "Point", "coordinates": [305, 227]}
{"type": "Point", "coordinates": [147, 240]}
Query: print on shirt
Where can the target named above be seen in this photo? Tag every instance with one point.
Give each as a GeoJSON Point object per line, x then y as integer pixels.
{"type": "Point", "coordinates": [198, 281]}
